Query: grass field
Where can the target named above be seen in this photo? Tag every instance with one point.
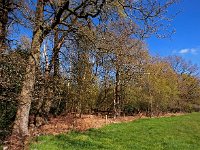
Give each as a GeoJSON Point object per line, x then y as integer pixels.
{"type": "Point", "coordinates": [172, 133]}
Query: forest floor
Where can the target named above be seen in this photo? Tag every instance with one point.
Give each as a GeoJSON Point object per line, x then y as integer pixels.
{"type": "Point", "coordinates": [63, 124]}
{"type": "Point", "coordinates": [177, 132]}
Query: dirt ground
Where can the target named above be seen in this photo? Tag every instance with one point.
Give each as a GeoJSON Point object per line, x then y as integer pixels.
{"type": "Point", "coordinates": [63, 124]}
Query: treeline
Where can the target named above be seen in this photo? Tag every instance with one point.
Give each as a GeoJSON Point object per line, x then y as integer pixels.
{"type": "Point", "coordinates": [85, 57]}
{"type": "Point", "coordinates": [105, 73]}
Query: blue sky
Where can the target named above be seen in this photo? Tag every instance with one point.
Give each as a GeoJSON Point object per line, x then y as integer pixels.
{"type": "Point", "coordinates": [185, 41]}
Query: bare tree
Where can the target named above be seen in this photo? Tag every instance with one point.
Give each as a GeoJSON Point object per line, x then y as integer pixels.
{"type": "Point", "coordinates": [43, 25]}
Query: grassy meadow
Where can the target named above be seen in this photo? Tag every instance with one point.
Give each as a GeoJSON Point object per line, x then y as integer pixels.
{"type": "Point", "coordinates": [170, 133]}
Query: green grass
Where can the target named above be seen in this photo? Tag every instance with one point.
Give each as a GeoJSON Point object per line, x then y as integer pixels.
{"type": "Point", "coordinates": [173, 133]}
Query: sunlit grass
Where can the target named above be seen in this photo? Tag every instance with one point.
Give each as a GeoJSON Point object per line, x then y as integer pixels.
{"type": "Point", "coordinates": [172, 133]}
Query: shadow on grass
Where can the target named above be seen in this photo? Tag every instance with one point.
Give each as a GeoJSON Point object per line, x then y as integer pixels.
{"type": "Point", "coordinates": [91, 139]}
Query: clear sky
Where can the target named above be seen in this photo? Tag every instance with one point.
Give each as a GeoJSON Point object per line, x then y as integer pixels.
{"type": "Point", "coordinates": [186, 41]}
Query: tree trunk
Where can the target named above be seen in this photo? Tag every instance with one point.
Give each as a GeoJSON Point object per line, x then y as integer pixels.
{"type": "Point", "coordinates": [55, 64]}
{"type": "Point", "coordinates": [22, 117]}
{"type": "Point", "coordinates": [56, 53]}
{"type": "Point", "coordinates": [117, 95]}
{"type": "Point", "coordinates": [20, 128]}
